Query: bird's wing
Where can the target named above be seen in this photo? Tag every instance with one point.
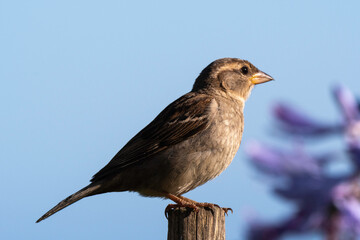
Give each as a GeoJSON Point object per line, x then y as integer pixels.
{"type": "Point", "coordinates": [182, 119]}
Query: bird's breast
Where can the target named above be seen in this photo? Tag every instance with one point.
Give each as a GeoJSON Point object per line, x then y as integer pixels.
{"type": "Point", "coordinates": [211, 150]}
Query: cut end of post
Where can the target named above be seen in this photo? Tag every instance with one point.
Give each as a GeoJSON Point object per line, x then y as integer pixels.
{"type": "Point", "coordinates": [184, 223]}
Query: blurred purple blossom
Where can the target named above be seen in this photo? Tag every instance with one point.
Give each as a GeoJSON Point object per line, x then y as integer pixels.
{"type": "Point", "coordinates": [350, 110]}
{"type": "Point", "coordinates": [296, 122]}
{"type": "Point", "coordinates": [277, 162]}
{"type": "Point", "coordinates": [354, 152]}
{"type": "Point", "coordinates": [304, 182]}
{"type": "Point", "coordinates": [324, 202]}
{"type": "Point", "coordinates": [347, 103]}
{"type": "Point", "coordinates": [346, 199]}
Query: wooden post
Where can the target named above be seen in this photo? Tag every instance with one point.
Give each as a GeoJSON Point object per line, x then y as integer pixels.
{"type": "Point", "coordinates": [206, 224]}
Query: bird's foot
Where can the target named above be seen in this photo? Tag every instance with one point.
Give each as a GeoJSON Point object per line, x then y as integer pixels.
{"type": "Point", "coordinates": [207, 205]}
{"type": "Point", "coordinates": [212, 206]}
{"type": "Point", "coordinates": [175, 206]}
{"type": "Point", "coordinates": [181, 202]}
{"type": "Point", "coordinates": [188, 203]}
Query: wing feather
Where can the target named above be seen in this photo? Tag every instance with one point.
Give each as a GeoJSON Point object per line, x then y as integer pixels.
{"type": "Point", "coordinates": [182, 119]}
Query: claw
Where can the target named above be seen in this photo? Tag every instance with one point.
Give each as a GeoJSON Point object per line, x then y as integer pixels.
{"type": "Point", "coordinates": [170, 207]}
{"type": "Point", "coordinates": [212, 206]}
{"type": "Point", "coordinates": [226, 210]}
{"type": "Point", "coordinates": [188, 203]}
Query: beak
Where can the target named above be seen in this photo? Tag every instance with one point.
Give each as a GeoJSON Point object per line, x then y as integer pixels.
{"type": "Point", "coordinates": [260, 77]}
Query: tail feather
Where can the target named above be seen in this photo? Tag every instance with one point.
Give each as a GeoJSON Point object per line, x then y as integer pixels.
{"type": "Point", "coordinates": [90, 190]}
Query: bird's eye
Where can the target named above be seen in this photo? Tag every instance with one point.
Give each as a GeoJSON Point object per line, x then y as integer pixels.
{"type": "Point", "coordinates": [244, 70]}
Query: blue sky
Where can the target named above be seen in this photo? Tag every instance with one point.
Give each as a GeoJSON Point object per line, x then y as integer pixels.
{"type": "Point", "coordinates": [80, 78]}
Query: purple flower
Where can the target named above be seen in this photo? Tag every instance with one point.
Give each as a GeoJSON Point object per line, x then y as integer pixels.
{"type": "Point", "coordinates": [293, 121]}
{"type": "Point", "coordinates": [347, 103]}
{"type": "Point", "coordinates": [277, 162]}
{"type": "Point", "coordinates": [324, 202]}
{"type": "Point", "coordinates": [354, 153]}
{"type": "Point", "coordinates": [296, 122]}
{"type": "Point", "coordinates": [350, 110]}
{"type": "Point", "coordinates": [346, 199]}
{"type": "Point", "coordinates": [319, 204]}
{"type": "Point", "coordinates": [299, 222]}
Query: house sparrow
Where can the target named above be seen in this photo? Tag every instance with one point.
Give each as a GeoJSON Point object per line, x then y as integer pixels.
{"type": "Point", "coordinates": [190, 142]}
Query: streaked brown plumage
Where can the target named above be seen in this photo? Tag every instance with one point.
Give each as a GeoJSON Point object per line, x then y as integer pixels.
{"type": "Point", "coordinates": [189, 143]}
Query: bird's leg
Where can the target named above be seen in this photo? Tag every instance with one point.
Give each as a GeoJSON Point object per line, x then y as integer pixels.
{"type": "Point", "coordinates": [205, 204]}
{"type": "Point", "coordinates": [181, 202]}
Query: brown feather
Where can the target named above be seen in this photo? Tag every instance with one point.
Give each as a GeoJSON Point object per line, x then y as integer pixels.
{"type": "Point", "coordinates": [182, 119]}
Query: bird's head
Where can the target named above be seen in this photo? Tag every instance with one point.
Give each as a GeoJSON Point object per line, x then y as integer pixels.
{"type": "Point", "coordinates": [232, 76]}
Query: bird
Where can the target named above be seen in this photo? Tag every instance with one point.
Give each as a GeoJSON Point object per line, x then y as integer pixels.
{"type": "Point", "coordinates": [190, 142]}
